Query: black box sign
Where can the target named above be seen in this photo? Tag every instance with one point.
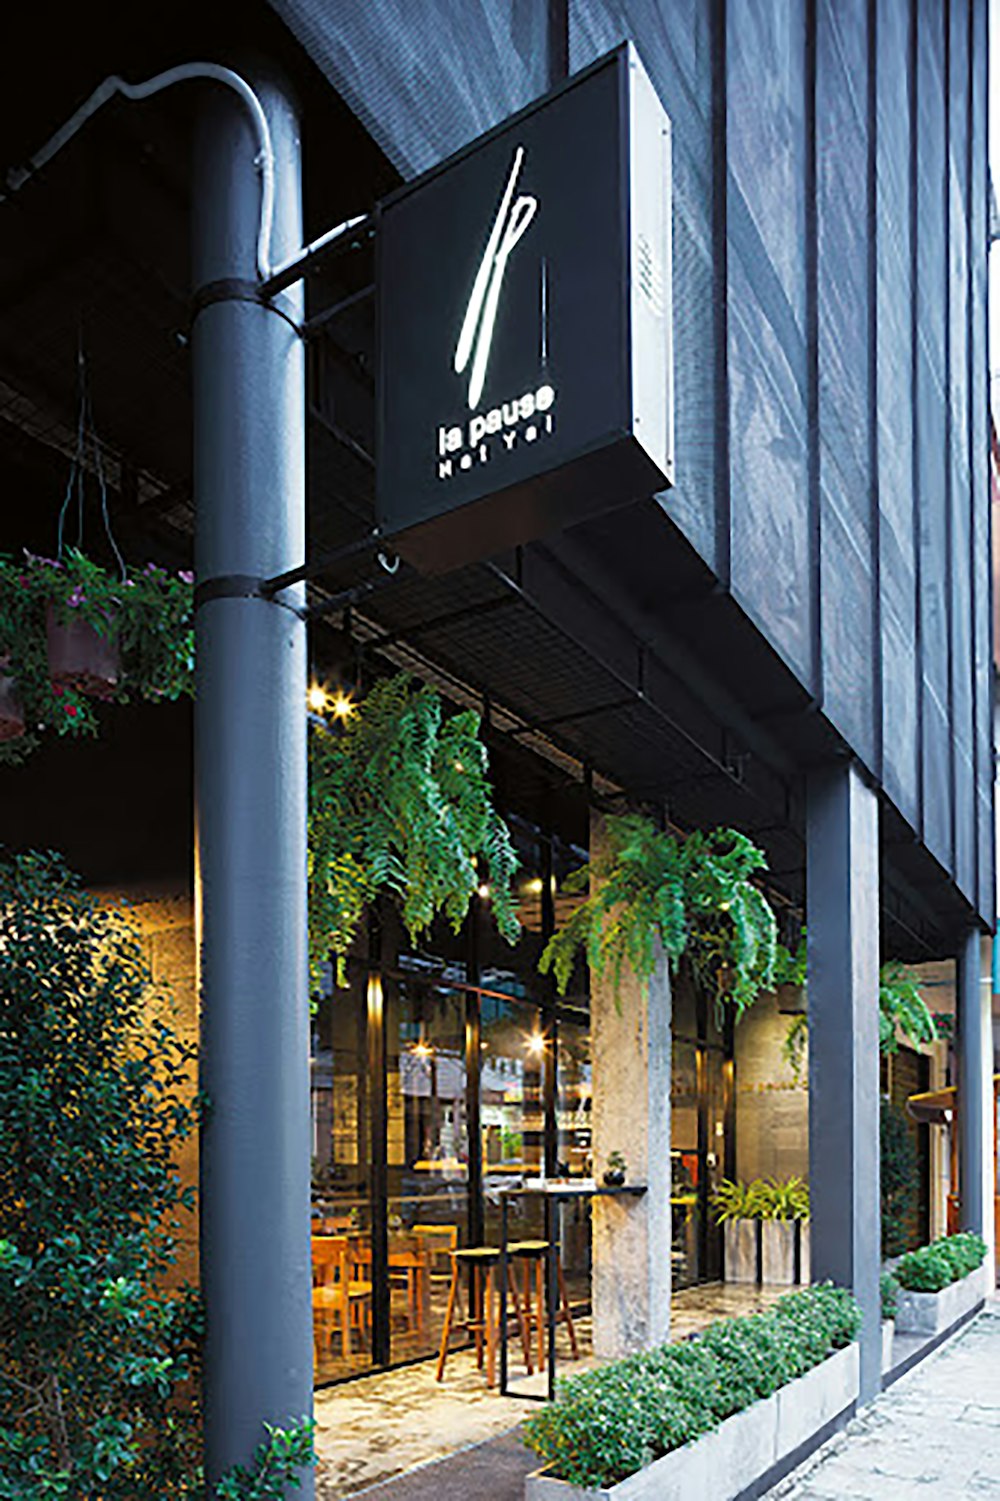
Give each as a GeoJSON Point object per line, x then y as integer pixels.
{"type": "Point", "coordinates": [524, 370]}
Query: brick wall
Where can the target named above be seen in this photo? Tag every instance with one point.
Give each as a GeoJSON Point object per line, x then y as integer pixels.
{"type": "Point", "coordinates": [772, 1109]}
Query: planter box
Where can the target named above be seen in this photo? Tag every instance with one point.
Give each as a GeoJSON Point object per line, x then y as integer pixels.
{"type": "Point", "coordinates": [722, 1464]}
{"type": "Point", "coordinates": [932, 1313]}
{"type": "Point", "coordinates": [81, 658]}
{"type": "Point", "coordinates": [887, 1331]}
{"type": "Point", "coordinates": [741, 1250]}
{"type": "Point", "coordinates": [11, 712]}
{"type": "Point", "coordinates": [778, 1248]}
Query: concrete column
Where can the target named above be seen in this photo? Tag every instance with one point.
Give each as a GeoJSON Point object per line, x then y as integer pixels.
{"type": "Point", "coordinates": [630, 1052]}
{"type": "Point", "coordinates": [974, 1072]}
{"type": "Point", "coordinates": [842, 892]}
{"type": "Point", "coordinates": [250, 789]}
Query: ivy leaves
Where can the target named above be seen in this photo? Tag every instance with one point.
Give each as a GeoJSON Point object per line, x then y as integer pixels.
{"type": "Point", "coordinates": [400, 801]}
{"type": "Point", "coordinates": [651, 891]}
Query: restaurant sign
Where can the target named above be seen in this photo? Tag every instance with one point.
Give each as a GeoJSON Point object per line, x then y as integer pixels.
{"type": "Point", "coordinates": [524, 324]}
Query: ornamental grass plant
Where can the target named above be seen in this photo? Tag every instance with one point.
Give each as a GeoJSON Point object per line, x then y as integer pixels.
{"type": "Point", "coordinates": [608, 1423]}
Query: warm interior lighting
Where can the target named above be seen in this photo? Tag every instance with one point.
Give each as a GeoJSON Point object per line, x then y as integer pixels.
{"type": "Point", "coordinates": [536, 1044]}
{"type": "Point", "coordinates": [316, 698]}
{"type": "Point", "coordinates": [422, 1049]}
{"type": "Point", "coordinates": [343, 705]}
{"type": "Point", "coordinates": [483, 890]}
{"type": "Point", "coordinates": [534, 886]}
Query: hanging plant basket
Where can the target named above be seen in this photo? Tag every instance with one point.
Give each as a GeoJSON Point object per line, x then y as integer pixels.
{"type": "Point", "coordinates": [74, 634]}
{"type": "Point", "coordinates": [80, 657]}
{"type": "Point", "coordinates": [11, 710]}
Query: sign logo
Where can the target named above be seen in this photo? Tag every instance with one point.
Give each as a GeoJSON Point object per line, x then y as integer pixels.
{"type": "Point", "coordinates": [480, 315]}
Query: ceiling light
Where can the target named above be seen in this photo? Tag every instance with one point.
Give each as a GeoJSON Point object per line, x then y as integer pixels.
{"type": "Point", "coordinates": [316, 698]}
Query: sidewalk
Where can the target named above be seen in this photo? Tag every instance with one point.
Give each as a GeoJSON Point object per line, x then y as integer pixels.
{"type": "Point", "coordinates": [935, 1434]}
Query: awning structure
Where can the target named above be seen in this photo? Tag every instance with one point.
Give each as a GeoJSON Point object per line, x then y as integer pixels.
{"type": "Point", "coordinates": [938, 1107]}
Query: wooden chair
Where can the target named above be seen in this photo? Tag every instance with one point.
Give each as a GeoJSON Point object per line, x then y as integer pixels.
{"type": "Point", "coordinates": [531, 1254]}
{"type": "Point", "coordinates": [339, 1296]}
{"type": "Point", "coordinates": [482, 1262]}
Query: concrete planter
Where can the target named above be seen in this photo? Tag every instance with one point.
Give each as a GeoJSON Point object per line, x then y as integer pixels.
{"type": "Point", "coordinates": [741, 1250]}
{"type": "Point", "coordinates": [778, 1252]}
{"type": "Point", "coordinates": [887, 1332]}
{"type": "Point", "coordinates": [746, 1447]}
{"type": "Point", "coordinates": [932, 1313]}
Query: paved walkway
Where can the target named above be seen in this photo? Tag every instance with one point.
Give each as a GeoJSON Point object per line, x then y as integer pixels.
{"type": "Point", "coordinates": [934, 1435]}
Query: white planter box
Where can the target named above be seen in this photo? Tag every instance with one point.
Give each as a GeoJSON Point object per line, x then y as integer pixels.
{"type": "Point", "coordinates": [887, 1332]}
{"type": "Point", "coordinates": [777, 1252]}
{"type": "Point", "coordinates": [932, 1313]}
{"type": "Point", "coordinates": [739, 1452]}
{"type": "Point", "coordinates": [740, 1250]}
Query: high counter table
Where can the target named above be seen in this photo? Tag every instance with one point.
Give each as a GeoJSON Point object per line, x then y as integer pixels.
{"type": "Point", "coordinates": [552, 1191]}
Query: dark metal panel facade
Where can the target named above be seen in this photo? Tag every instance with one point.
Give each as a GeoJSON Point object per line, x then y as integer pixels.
{"type": "Point", "coordinates": [767, 368]}
{"type": "Point", "coordinates": [847, 549]}
{"type": "Point", "coordinates": [676, 44]}
{"type": "Point", "coordinates": [895, 428]}
{"type": "Point", "coordinates": [829, 295]}
{"type": "Point", "coordinates": [931, 293]}
{"type": "Point", "coordinates": [425, 77]}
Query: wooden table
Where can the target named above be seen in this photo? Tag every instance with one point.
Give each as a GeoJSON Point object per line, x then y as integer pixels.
{"type": "Point", "coordinates": [552, 1191]}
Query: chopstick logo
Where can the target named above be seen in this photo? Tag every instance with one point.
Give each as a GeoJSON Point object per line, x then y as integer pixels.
{"type": "Point", "coordinates": [480, 316]}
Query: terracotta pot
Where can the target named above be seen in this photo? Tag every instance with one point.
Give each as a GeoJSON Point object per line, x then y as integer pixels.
{"type": "Point", "coordinates": [11, 712]}
{"type": "Point", "coordinates": [81, 658]}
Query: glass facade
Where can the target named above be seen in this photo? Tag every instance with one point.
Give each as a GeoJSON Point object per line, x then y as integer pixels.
{"type": "Point", "coordinates": [445, 1074]}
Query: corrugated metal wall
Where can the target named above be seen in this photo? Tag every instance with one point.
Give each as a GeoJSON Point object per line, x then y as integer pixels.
{"type": "Point", "coordinates": [830, 263]}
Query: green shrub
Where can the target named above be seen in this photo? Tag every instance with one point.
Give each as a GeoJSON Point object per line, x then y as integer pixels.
{"type": "Point", "coordinates": [941, 1263]}
{"type": "Point", "coordinates": [889, 1291]}
{"type": "Point", "coordinates": [610, 1422]}
{"type": "Point", "coordinates": [897, 1178]}
{"type": "Point", "coordinates": [98, 1363]}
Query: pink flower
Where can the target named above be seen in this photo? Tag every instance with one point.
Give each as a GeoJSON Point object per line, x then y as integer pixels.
{"type": "Point", "coordinates": [186, 576]}
{"type": "Point", "coordinates": [77, 598]}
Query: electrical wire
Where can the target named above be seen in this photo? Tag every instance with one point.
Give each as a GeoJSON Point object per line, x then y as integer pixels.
{"type": "Point", "coordinates": [264, 161]}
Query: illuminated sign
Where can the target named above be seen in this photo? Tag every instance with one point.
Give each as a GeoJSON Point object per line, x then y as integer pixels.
{"type": "Point", "coordinates": [524, 314]}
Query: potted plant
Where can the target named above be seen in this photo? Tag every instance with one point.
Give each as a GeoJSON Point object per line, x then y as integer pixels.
{"type": "Point", "coordinates": [400, 803]}
{"type": "Point", "coordinates": [653, 892]}
{"type": "Point", "coordinates": [940, 1284]}
{"type": "Point", "coordinates": [614, 1173]}
{"type": "Point", "coordinates": [737, 1208]}
{"type": "Point", "coordinates": [790, 977]}
{"type": "Point", "coordinates": [784, 1241]}
{"type": "Point", "coordinates": [71, 632]}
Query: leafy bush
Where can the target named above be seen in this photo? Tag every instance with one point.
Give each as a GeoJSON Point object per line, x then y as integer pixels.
{"type": "Point", "coordinates": [94, 1356]}
{"type": "Point", "coordinates": [889, 1292]}
{"type": "Point", "coordinates": [650, 890]}
{"type": "Point", "coordinates": [400, 801]}
{"type": "Point", "coordinates": [941, 1263]}
{"type": "Point", "coordinates": [98, 1364]}
{"type": "Point", "coordinates": [610, 1422]}
{"type": "Point", "coordinates": [761, 1199]}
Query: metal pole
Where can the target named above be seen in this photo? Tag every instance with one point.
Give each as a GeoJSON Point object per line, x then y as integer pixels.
{"type": "Point", "coordinates": [250, 781]}
{"type": "Point", "coordinates": [971, 1066]}
{"type": "Point", "coordinates": [842, 893]}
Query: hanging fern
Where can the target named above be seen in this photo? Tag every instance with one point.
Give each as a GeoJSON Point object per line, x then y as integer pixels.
{"type": "Point", "coordinates": [902, 1010]}
{"type": "Point", "coordinates": [400, 801]}
{"type": "Point", "coordinates": [649, 891]}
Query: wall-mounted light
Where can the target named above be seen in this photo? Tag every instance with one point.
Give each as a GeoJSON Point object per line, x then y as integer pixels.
{"type": "Point", "coordinates": [342, 705]}
{"type": "Point", "coordinates": [316, 698]}
{"type": "Point", "coordinates": [483, 891]}
{"type": "Point", "coordinates": [534, 886]}
{"type": "Point", "coordinates": [535, 1044]}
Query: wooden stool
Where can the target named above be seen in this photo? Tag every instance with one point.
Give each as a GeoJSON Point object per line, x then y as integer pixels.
{"type": "Point", "coordinates": [531, 1254]}
{"type": "Point", "coordinates": [482, 1262]}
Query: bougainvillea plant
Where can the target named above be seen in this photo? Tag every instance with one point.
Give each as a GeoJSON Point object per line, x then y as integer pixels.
{"type": "Point", "coordinates": [400, 802]}
{"type": "Point", "coordinates": [147, 615]}
{"type": "Point", "coordinates": [650, 890]}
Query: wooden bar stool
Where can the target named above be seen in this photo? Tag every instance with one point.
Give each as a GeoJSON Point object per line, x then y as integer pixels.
{"type": "Point", "coordinates": [531, 1254]}
{"type": "Point", "coordinates": [482, 1262]}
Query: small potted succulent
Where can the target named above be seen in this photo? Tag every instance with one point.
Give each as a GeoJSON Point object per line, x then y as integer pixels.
{"type": "Point", "coordinates": [614, 1173]}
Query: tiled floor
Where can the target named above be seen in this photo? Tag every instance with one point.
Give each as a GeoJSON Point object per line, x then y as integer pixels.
{"type": "Point", "coordinates": [380, 1425]}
